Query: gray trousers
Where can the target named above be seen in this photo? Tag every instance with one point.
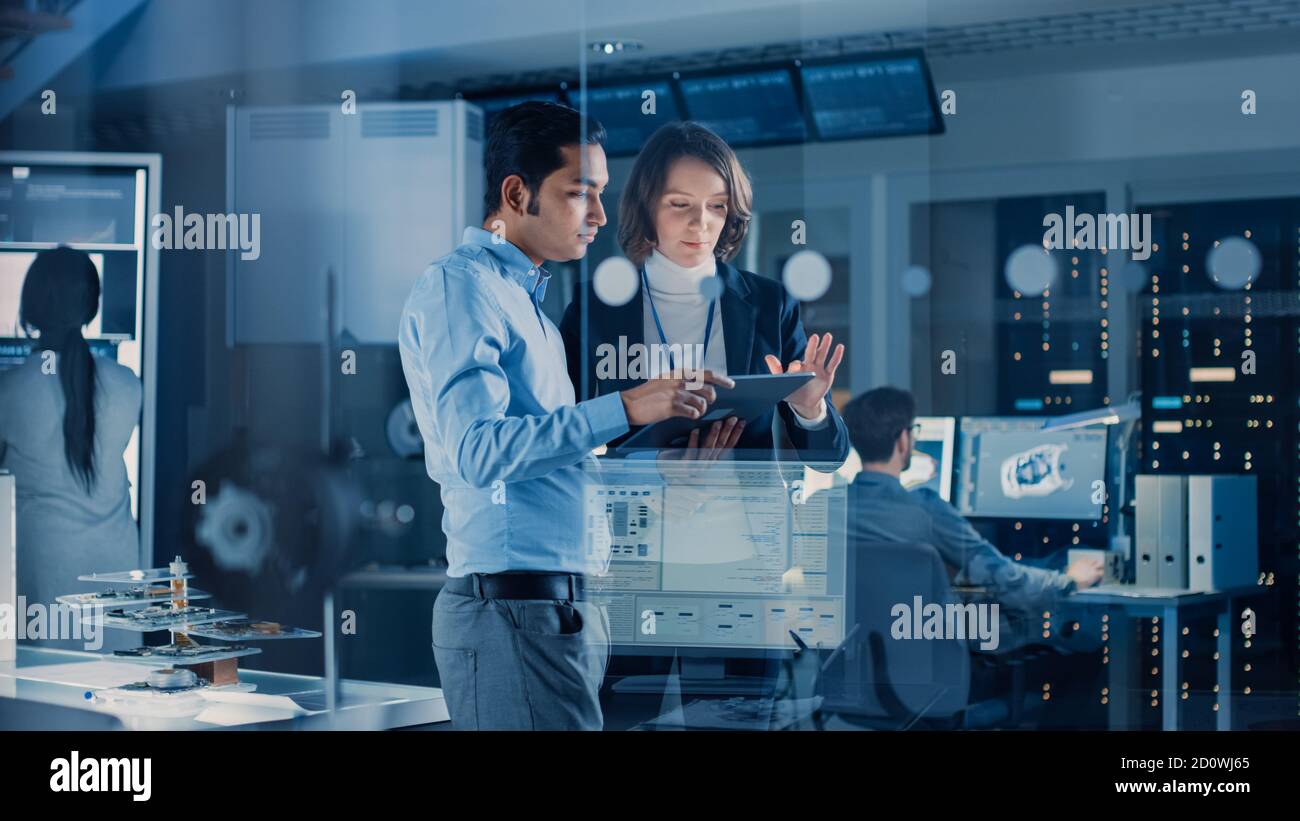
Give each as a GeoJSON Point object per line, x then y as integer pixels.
{"type": "Point", "coordinates": [520, 664]}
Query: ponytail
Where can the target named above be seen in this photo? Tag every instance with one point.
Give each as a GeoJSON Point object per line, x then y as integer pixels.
{"type": "Point", "coordinates": [77, 375]}
{"type": "Point", "coordinates": [61, 294]}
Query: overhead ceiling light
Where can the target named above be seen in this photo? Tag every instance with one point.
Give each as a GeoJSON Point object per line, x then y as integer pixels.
{"type": "Point", "coordinates": [612, 47]}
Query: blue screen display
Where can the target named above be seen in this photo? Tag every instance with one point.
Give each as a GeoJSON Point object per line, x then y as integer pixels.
{"type": "Point", "coordinates": [753, 108]}
{"type": "Point", "coordinates": [629, 114]}
{"type": "Point", "coordinates": [869, 99]}
{"type": "Point", "coordinates": [493, 106]}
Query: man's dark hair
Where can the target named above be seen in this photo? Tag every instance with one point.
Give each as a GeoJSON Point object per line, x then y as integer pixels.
{"type": "Point", "coordinates": [526, 139]}
{"type": "Point", "coordinates": [876, 418]}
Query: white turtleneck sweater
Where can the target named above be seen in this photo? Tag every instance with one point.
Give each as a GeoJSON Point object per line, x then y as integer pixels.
{"type": "Point", "coordinates": [684, 312]}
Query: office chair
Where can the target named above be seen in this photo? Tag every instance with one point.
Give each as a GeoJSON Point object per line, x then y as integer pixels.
{"type": "Point", "coordinates": [886, 683]}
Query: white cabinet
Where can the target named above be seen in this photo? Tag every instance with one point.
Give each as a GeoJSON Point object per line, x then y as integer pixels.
{"type": "Point", "coordinates": [370, 197]}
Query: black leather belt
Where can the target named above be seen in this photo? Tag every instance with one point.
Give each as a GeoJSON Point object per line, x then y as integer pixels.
{"type": "Point", "coordinates": [520, 585]}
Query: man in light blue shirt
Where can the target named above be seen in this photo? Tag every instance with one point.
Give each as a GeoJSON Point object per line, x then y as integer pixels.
{"type": "Point", "coordinates": [516, 645]}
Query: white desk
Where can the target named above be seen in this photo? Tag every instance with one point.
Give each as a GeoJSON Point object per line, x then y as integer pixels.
{"type": "Point", "coordinates": [362, 705]}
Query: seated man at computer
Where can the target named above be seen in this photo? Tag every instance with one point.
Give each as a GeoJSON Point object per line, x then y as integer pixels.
{"type": "Point", "coordinates": [881, 427]}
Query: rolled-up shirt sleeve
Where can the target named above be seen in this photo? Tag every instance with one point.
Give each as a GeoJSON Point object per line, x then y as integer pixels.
{"type": "Point", "coordinates": [454, 337]}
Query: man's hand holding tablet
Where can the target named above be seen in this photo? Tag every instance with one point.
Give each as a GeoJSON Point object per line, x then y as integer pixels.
{"type": "Point", "coordinates": [747, 398]}
{"type": "Point", "coordinates": [659, 399]}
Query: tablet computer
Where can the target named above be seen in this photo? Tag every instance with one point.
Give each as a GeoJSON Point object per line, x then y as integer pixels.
{"type": "Point", "coordinates": [749, 399]}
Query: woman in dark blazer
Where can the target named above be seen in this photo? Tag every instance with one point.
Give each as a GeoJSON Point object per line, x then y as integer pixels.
{"type": "Point", "coordinates": [682, 217]}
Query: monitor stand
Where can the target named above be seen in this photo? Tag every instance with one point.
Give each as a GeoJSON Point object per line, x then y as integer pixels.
{"type": "Point", "coordinates": [697, 677]}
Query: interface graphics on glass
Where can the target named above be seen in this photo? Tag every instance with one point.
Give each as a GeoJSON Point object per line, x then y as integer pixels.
{"type": "Point", "coordinates": [736, 560]}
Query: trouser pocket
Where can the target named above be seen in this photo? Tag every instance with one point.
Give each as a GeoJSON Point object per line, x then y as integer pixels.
{"type": "Point", "coordinates": [458, 674]}
{"type": "Point", "coordinates": [556, 619]}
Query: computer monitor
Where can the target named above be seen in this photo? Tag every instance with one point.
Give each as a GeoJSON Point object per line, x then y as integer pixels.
{"type": "Point", "coordinates": [99, 203]}
{"type": "Point", "coordinates": [121, 326]}
{"type": "Point", "coordinates": [886, 95]}
{"type": "Point", "coordinates": [1009, 467]}
{"type": "Point", "coordinates": [931, 467]}
{"type": "Point", "coordinates": [745, 108]}
{"type": "Point", "coordinates": [625, 113]}
{"type": "Point", "coordinates": [724, 560]}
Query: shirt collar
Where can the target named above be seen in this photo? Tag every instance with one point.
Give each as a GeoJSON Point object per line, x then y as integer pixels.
{"type": "Point", "coordinates": [876, 477]}
{"type": "Point", "coordinates": [515, 264]}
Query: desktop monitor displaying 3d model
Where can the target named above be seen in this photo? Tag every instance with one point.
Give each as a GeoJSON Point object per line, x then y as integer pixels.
{"type": "Point", "coordinates": [1011, 467]}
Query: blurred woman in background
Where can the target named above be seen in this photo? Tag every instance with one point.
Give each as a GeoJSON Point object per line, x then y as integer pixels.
{"type": "Point", "coordinates": [65, 421]}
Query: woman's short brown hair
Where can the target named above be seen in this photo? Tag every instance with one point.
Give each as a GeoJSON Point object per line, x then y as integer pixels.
{"type": "Point", "coordinates": [636, 223]}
